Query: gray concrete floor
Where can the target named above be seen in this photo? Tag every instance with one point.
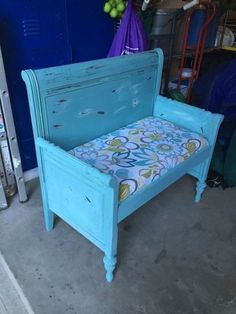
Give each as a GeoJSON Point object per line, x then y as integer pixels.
{"type": "Point", "coordinates": [12, 299]}
{"type": "Point", "coordinates": [175, 257]}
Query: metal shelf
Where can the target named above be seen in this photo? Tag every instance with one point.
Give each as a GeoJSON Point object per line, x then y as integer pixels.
{"type": "Point", "coordinates": [11, 174]}
{"type": "Point", "coordinates": [192, 53]}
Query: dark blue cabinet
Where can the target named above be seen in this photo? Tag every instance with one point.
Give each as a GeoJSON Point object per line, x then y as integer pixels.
{"type": "Point", "coordinates": [42, 33]}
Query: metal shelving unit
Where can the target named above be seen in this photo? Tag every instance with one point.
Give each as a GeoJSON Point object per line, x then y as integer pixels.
{"type": "Point", "coordinates": [166, 42]}
{"type": "Point", "coordinates": [11, 174]}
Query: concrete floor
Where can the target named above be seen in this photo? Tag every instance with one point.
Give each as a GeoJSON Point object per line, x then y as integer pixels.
{"type": "Point", "coordinates": [175, 257]}
{"type": "Point", "coordinates": [12, 299]}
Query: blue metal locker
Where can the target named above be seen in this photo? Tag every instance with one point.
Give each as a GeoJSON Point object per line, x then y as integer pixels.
{"type": "Point", "coordinates": [42, 33]}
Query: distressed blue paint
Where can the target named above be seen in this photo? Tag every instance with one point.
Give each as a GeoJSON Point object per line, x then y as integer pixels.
{"type": "Point", "coordinates": [98, 96]}
{"type": "Point", "coordinates": [73, 104]}
{"type": "Point", "coordinates": [129, 205]}
{"type": "Point", "coordinates": [197, 120]}
{"type": "Point", "coordinates": [41, 33]}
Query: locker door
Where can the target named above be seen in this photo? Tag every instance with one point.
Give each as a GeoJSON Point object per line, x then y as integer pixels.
{"type": "Point", "coordinates": [90, 30]}
{"type": "Point", "coordinates": [42, 33]}
{"type": "Point", "coordinates": [33, 34]}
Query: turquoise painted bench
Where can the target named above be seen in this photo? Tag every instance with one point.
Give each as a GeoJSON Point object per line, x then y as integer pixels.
{"type": "Point", "coordinates": [107, 142]}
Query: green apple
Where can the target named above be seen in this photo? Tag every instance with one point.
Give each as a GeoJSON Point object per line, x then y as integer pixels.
{"type": "Point", "coordinates": [120, 7]}
{"type": "Point", "coordinates": [112, 3]}
{"type": "Point", "coordinates": [114, 13]}
{"type": "Point", "coordinates": [107, 7]}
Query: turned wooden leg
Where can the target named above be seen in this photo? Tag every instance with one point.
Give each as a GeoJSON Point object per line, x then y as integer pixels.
{"type": "Point", "coordinates": [110, 265]}
{"type": "Point", "coordinates": [49, 219]}
{"type": "Point", "coordinates": [111, 232]}
{"type": "Point", "coordinates": [200, 188]}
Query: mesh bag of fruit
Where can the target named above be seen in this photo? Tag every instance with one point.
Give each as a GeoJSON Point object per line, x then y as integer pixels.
{"type": "Point", "coordinates": [130, 37]}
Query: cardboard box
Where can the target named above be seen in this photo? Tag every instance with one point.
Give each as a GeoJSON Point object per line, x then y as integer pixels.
{"type": "Point", "coordinates": [161, 4]}
{"type": "Point", "coordinates": [170, 4]}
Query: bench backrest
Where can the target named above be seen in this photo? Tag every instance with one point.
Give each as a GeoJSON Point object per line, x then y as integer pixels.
{"type": "Point", "coordinates": [75, 103]}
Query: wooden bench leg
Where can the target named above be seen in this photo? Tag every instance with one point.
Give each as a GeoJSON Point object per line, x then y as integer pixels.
{"type": "Point", "coordinates": [110, 265]}
{"type": "Point", "coordinates": [49, 219]}
{"type": "Point", "coordinates": [110, 259]}
{"type": "Point", "coordinates": [200, 188]}
{"type": "Point", "coordinates": [202, 172]}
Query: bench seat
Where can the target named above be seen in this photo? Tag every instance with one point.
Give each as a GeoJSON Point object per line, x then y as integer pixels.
{"type": "Point", "coordinates": [140, 152]}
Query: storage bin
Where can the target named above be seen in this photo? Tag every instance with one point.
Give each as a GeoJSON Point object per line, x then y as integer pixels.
{"type": "Point", "coordinates": [162, 21]}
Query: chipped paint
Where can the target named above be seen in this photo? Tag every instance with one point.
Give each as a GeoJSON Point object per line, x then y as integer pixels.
{"type": "Point", "coordinates": [120, 109]}
{"type": "Point", "coordinates": [135, 103]}
{"type": "Point", "coordinates": [87, 199]}
{"type": "Point", "coordinates": [136, 88]}
{"type": "Point", "coordinates": [92, 69]}
{"type": "Point", "coordinates": [85, 112]}
{"type": "Point", "coordinates": [63, 101]}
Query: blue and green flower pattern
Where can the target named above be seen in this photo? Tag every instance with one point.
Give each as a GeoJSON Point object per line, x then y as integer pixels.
{"type": "Point", "coordinates": [140, 152]}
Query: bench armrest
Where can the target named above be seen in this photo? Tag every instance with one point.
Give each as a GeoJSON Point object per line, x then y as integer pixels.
{"type": "Point", "coordinates": [70, 163]}
{"type": "Point", "coordinates": [189, 117]}
{"type": "Point", "coordinates": [80, 194]}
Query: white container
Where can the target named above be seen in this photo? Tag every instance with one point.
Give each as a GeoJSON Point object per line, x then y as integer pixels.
{"type": "Point", "coordinates": [187, 72]}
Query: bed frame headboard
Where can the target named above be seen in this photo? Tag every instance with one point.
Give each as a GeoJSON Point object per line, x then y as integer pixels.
{"type": "Point", "coordinates": [75, 103]}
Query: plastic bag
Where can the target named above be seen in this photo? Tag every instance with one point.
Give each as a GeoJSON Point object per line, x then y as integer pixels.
{"type": "Point", "coordinates": [130, 37]}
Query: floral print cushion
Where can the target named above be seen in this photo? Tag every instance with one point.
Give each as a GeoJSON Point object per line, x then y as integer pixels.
{"type": "Point", "coordinates": [140, 152]}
